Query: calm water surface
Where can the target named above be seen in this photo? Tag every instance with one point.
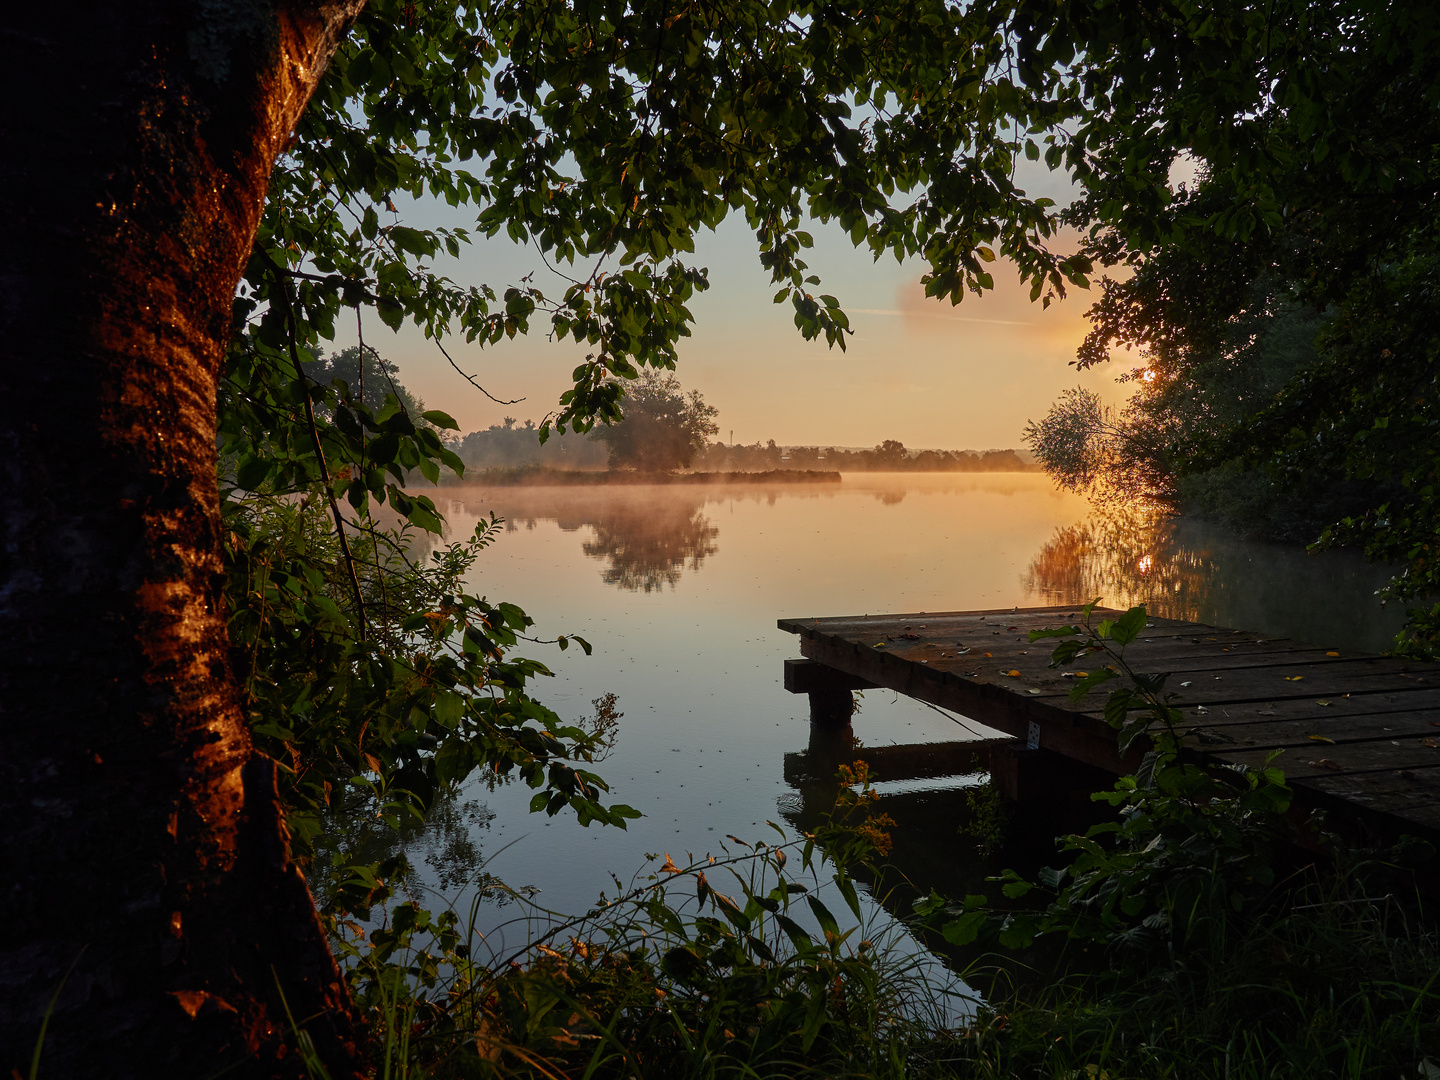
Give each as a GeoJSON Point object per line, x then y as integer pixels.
{"type": "Point", "coordinates": [678, 589]}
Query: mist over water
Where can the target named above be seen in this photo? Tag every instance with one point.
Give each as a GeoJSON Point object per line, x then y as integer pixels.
{"type": "Point", "coordinates": [678, 589]}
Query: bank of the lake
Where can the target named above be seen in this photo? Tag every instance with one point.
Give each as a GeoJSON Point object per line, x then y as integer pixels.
{"type": "Point", "coordinates": [542, 476]}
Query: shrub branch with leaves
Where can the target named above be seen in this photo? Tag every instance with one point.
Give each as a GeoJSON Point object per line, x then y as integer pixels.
{"type": "Point", "coordinates": [1192, 851]}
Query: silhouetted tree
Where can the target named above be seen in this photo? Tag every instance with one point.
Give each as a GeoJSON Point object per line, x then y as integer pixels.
{"type": "Point", "coordinates": [369, 382]}
{"type": "Point", "coordinates": [663, 428]}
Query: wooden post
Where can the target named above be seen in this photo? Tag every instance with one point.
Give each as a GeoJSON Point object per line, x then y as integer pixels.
{"type": "Point", "coordinates": [830, 691]}
{"type": "Point", "coordinates": [1025, 775]}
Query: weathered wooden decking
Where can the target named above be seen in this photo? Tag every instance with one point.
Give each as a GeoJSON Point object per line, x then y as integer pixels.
{"type": "Point", "coordinates": [1360, 733]}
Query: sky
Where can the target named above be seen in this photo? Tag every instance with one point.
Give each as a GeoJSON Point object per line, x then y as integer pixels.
{"type": "Point", "coordinates": [916, 369]}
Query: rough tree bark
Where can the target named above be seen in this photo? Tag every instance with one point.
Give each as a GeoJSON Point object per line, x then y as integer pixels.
{"type": "Point", "coordinates": [142, 840]}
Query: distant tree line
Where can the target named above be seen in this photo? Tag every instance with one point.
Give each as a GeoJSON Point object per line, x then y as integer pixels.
{"type": "Point", "coordinates": [511, 445]}
{"type": "Point", "coordinates": [888, 456]}
{"type": "Point", "coordinates": [664, 428]}
{"type": "Point", "coordinates": [506, 445]}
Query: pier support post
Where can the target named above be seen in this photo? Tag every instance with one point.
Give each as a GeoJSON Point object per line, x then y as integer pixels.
{"type": "Point", "coordinates": [829, 690]}
{"type": "Point", "coordinates": [1043, 777]}
{"type": "Point", "coordinates": [831, 707]}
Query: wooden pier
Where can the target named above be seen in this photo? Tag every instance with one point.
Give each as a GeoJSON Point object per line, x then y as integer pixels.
{"type": "Point", "coordinates": [1360, 734]}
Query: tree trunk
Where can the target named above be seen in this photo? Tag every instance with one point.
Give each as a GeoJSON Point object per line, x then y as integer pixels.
{"type": "Point", "coordinates": [144, 851]}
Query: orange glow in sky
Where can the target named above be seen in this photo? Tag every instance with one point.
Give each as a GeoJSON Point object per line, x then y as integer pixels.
{"type": "Point", "coordinates": [921, 371]}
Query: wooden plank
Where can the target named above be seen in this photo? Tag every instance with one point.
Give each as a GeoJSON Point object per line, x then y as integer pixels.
{"type": "Point", "coordinates": [1315, 730]}
{"type": "Point", "coordinates": [937, 619]}
{"type": "Point", "coordinates": [1418, 699]}
{"type": "Point", "coordinates": [1374, 756]}
{"type": "Point", "coordinates": [1360, 734]}
{"type": "Point", "coordinates": [1407, 794]}
{"type": "Point", "coordinates": [1272, 681]}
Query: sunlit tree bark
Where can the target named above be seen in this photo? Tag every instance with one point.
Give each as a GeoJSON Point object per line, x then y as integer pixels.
{"type": "Point", "coordinates": [144, 851]}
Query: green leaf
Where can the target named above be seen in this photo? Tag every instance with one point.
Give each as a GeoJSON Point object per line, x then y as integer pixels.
{"type": "Point", "coordinates": [964, 930]}
{"type": "Point", "coordinates": [847, 890]}
{"type": "Point", "coordinates": [1018, 931]}
{"type": "Point", "coordinates": [449, 708]}
{"type": "Point", "coordinates": [253, 472]}
{"type": "Point", "coordinates": [823, 916]}
{"type": "Point", "coordinates": [1054, 631]}
{"type": "Point", "coordinates": [1127, 628]}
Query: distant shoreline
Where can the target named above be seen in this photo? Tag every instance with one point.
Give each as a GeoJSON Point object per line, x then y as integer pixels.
{"type": "Point", "coordinates": [533, 477]}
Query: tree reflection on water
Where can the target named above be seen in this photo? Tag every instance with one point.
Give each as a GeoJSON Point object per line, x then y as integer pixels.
{"type": "Point", "coordinates": [649, 547]}
{"type": "Point", "coordinates": [1181, 568]}
{"type": "Point", "coordinates": [647, 539]}
{"type": "Point", "coordinates": [1128, 556]}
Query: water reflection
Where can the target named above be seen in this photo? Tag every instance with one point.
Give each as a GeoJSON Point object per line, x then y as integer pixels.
{"type": "Point", "coordinates": [1128, 556]}
{"type": "Point", "coordinates": [647, 537]}
{"type": "Point", "coordinates": [1192, 570]}
{"type": "Point", "coordinates": [647, 549]}
{"type": "Point", "coordinates": [446, 847]}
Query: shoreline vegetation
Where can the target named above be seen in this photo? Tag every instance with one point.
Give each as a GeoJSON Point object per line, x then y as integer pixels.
{"type": "Point", "coordinates": [543, 476]}
{"type": "Point", "coordinates": [512, 446]}
{"type": "Point", "coordinates": [1185, 934]}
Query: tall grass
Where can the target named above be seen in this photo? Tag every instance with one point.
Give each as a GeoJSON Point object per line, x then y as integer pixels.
{"type": "Point", "coordinates": [708, 970]}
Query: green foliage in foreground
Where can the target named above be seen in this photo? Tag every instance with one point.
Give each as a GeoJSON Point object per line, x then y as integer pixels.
{"type": "Point", "coordinates": [1183, 952]}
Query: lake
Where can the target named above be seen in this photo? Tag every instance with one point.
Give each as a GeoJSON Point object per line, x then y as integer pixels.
{"type": "Point", "coordinates": [678, 589]}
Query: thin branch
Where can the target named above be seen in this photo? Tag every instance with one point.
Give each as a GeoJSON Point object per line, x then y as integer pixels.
{"type": "Point", "coordinates": [304, 381]}
{"type": "Point", "coordinates": [471, 378]}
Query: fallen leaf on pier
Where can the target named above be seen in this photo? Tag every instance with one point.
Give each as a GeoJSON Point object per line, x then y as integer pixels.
{"type": "Point", "coordinates": [1014, 673]}
{"type": "Point", "coordinates": [1332, 652]}
{"type": "Point", "coordinates": [1322, 703]}
{"type": "Point", "coordinates": [1432, 743]}
{"type": "Point", "coordinates": [1292, 678]}
{"type": "Point", "coordinates": [1325, 763]}
{"type": "Point", "coordinates": [1321, 738]}
{"type": "Point", "coordinates": [1034, 690]}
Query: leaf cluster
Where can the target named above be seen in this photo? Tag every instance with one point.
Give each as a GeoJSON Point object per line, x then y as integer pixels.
{"type": "Point", "coordinates": [431, 695]}
{"type": "Point", "coordinates": [1190, 857]}
{"type": "Point", "coordinates": [697, 969]}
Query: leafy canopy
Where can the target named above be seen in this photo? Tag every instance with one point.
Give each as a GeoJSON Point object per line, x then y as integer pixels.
{"type": "Point", "coordinates": [605, 135]}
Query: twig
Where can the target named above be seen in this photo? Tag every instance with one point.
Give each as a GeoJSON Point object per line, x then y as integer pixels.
{"type": "Point", "coordinates": [471, 378]}
{"type": "Point", "coordinates": [304, 381]}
